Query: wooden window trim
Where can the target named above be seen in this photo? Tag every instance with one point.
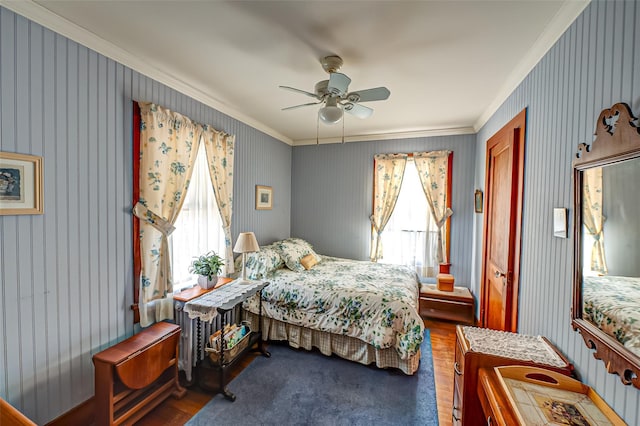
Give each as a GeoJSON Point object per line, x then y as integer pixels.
{"type": "Point", "coordinates": [137, 267]}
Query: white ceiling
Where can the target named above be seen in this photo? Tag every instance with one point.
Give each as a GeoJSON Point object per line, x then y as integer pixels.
{"type": "Point", "coordinates": [448, 64]}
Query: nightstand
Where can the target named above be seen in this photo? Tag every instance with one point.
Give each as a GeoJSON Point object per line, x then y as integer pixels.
{"type": "Point", "coordinates": [457, 305]}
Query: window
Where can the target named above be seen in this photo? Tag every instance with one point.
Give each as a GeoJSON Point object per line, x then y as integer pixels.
{"type": "Point", "coordinates": [198, 226]}
{"type": "Point", "coordinates": [411, 235]}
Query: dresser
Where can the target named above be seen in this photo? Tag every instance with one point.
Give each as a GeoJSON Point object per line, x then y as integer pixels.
{"type": "Point", "coordinates": [478, 348]}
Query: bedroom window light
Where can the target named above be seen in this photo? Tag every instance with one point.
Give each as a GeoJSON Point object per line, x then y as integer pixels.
{"type": "Point", "coordinates": [198, 227]}
{"type": "Point", "coordinates": [411, 235]}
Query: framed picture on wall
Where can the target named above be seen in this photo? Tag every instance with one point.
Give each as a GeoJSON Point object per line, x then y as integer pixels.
{"type": "Point", "coordinates": [264, 197]}
{"type": "Point", "coordinates": [478, 201]}
{"type": "Point", "coordinates": [20, 184]}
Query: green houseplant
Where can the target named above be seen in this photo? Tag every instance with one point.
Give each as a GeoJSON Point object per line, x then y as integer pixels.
{"type": "Point", "coordinates": [208, 266]}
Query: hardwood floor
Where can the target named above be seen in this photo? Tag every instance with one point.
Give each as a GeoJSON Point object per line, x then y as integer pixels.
{"type": "Point", "coordinates": [443, 335]}
{"type": "Point", "coordinates": [443, 343]}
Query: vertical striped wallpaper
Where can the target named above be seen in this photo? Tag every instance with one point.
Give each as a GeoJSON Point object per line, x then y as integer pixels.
{"type": "Point", "coordinates": [332, 190]}
{"type": "Point", "coordinates": [67, 276]}
{"type": "Point", "coordinates": [595, 64]}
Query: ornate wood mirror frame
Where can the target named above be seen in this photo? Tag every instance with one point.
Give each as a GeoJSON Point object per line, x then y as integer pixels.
{"type": "Point", "coordinates": [617, 140]}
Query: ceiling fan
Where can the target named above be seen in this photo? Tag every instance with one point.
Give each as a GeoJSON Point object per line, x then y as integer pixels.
{"type": "Point", "coordinates": [333, 94]}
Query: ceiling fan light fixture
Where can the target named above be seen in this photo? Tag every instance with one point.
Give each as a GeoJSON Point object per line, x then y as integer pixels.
{"type": "Point", "coordinates": [330, 114]}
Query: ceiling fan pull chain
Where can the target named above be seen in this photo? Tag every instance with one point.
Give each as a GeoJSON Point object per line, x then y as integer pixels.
{"type": "Point", "coordinates": [343, 120]}
{"type": "Point", "coordinates": [317, 130]}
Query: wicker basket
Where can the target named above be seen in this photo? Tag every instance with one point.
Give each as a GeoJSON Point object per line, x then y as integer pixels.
{"type": "Point", "coordinates": [229, 354]}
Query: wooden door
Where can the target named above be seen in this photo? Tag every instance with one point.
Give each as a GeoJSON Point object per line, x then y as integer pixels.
{"type": "Point", "coordinates": [502, 223]}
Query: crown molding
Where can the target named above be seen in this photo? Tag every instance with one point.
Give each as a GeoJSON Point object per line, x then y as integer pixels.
{"type": "Point", "coordinates": [562, 20]}
{"type": "Point", "coordinates": [43, 16]}
{"type": "Point", "coordinates": [388, 136]}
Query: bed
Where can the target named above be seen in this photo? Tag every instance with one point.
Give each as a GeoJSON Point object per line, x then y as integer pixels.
{"type": "Point", "coordinates": [612, 303]}
{"type": "Point", "coordinates": [362, 311]}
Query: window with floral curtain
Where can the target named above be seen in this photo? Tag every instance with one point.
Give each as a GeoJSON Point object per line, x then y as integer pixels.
{"type": "Point", "coordinates": [198, 227]}
{"type": "Point", "coordinates": [411, 235]}
{"type": "Point", "coordinates": [412, 198]}
{"type": "Point", "coordinates": [166, 147]}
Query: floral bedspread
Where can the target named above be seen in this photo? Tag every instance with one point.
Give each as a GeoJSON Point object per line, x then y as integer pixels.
{"type": "Point", "coordinates": [613, 304]}
{"type": "Point", "coordinates": [374, 302]}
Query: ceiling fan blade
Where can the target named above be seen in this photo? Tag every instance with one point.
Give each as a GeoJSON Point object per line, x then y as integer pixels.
{"type": "Point", "coordinates": [368, 95]}
{"type": "Point", "coordinates": [293, 89]}
{"type": "Point", "coordinates": [338, 83]}
{"type": "Point", "coordinates": [358, 110]}
{"type": "Point", "coordinates": [300, 106]}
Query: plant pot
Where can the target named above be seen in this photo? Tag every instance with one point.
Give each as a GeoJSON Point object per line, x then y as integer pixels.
{"type": "Point", "coordinates": [206, 283]}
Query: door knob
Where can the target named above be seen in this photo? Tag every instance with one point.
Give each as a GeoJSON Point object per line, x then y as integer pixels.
{"type": "Point", "coordinates": [500, 274]}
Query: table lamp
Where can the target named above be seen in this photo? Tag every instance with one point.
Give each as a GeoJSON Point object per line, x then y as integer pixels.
{"type": "Point", "coordinates": [246, 243]}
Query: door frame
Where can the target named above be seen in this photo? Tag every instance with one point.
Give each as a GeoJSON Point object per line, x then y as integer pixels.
{"type": "Point", "coordinates": [517, 130]}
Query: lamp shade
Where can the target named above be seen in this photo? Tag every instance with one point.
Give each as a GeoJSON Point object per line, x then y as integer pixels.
{"type": "Point", "coordinates": [330, 114]}
{"type": "Point", "coordinates": [246, 243]}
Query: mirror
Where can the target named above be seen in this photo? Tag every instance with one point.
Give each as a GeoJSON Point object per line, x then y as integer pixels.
{"type": "Point", "coordinates": [606, 302]}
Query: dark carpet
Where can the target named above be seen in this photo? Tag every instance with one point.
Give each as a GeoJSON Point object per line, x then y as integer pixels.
{"type": "Point", "coordinates": [298, 387]}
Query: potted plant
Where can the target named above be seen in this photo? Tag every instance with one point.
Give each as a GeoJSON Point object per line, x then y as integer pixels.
{"type": "Point", "coordinates": [207, 266]}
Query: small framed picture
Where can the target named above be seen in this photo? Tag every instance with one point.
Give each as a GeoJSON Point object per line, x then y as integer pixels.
{"type": "Point", "coordinates": [478, 201]}
{"type": "Point", "coordinates": [20, 184]}
{"type": "Point", "coordinates": [264, 197]}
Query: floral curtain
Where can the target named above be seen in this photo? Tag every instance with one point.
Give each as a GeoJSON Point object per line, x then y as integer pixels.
{"type": "Point", "coordinates": [432, 169]}
{"type": "Point", "coordinates": [592, 216]}
{"type": "Point", "coordinates": [168, 148]}
{"type": "Point", "coordinates": [220, 153]}
{"type": "Point", "coordinates": [388, 174]}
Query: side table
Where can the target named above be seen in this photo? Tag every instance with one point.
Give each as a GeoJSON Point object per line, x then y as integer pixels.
{"type": "Point", "coordinates": [220, 303]}
{"type": "Point", "coordinates": [457, 305]}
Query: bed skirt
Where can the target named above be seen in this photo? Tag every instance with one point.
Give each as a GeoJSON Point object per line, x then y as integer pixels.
{"type": "Point", "coordinates": [345, 347]}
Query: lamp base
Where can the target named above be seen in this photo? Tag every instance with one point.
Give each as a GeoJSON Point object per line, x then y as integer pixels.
{"type": "Point", "coordinates": [244, 279]}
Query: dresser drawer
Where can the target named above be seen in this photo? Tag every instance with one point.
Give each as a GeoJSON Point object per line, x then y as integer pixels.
{"type": "Point", "coordinates": [450, 310]}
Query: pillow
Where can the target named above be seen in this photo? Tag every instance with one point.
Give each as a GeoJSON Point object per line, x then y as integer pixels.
{"type": "Point", "coordinates": [292, 250]}
{"type": "Point", "coordinates": [261, 263]}
{"type": "Point", "coordinates": [309, 261]}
